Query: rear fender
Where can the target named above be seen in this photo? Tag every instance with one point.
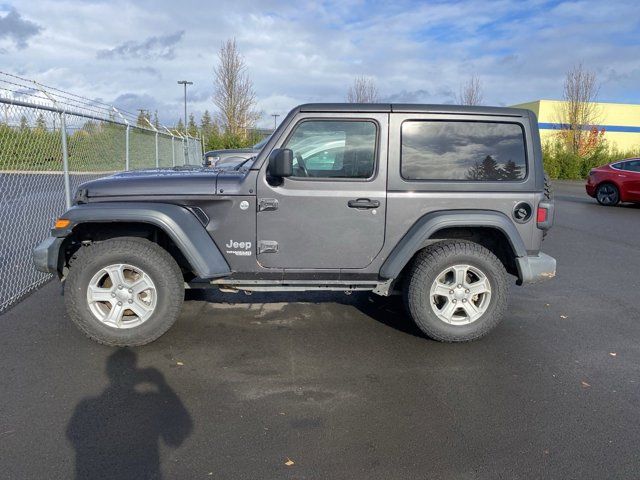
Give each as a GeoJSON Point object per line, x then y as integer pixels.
{"type": "Point", "coordinates": [421, 232]}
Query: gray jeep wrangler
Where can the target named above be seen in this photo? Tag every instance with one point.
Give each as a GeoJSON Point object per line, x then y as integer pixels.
{"type": "Point", "coordinates": [438, 203]}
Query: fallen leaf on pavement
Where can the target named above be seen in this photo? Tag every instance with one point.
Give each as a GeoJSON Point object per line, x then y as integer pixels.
{"type": "Point", "coordinates": [563, 316]}
{"type": "Point", "coordinates": [613, 354]}
{"type": "Point", "coordinates": [289, 462]}
{"type": "Point", "coordinates": [179, 363]}
{"type": "Point", "coordinates": [585, 384]}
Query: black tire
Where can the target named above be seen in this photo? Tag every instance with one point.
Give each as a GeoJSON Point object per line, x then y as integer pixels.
{"type": "Point", "coordinates": [607, 194]}
{"type": "Point", "coordinates": [138, 252]}
{"type": "Point", "coordinates": [433, 260]}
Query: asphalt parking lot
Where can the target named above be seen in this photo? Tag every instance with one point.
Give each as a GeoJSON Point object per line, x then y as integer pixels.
{"type": "Point", "coordinates": [341, 387]}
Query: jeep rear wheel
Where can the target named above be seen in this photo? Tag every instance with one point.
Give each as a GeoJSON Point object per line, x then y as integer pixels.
{"type": "Point", "coordinates": [457, 291]}
{"type": "Point", "coordinates": [124, 291]}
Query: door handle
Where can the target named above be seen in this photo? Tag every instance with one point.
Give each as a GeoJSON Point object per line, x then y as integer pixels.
{"type": "Point", "coordinates": [363, 203]}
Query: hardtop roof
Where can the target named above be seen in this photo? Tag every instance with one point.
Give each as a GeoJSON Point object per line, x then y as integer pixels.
{"type": "Point", "coordinates": [412, 108]}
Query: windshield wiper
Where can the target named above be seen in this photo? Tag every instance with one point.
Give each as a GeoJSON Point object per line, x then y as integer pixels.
{"type": "Point", "coordinates": [240, 165]}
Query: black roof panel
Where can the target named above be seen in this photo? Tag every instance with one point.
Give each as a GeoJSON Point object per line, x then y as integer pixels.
{"type": "Point", "coordinates": [412, 108]}
{"type": "Point", "coordinates": [345, 107]}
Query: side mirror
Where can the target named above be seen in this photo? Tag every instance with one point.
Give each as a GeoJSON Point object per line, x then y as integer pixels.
{"type": "Point", "coordinates": [281, 163]}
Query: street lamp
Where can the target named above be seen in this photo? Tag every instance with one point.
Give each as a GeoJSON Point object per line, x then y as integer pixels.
{"type": "Point", "coordinates": [185, 83]}
{"type": "Point", "coordinates": [275, 120]}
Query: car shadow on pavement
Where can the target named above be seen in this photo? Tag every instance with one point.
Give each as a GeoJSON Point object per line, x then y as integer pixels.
{"type": "Point", "coordinates": [117, 434]}
{"type": "Point", "coordinates": [388, 311]}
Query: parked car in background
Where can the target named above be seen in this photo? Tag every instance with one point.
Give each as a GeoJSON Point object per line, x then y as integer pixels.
{"type": "Point", "coordinates": [231, 158]}
{"type": "Point", "coordinates": [616, 182]}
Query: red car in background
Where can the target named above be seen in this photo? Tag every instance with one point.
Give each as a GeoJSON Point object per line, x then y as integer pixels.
{"type": "Point", "coordinates": [615, 182]}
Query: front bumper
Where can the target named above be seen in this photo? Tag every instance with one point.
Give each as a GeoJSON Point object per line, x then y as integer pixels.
{"type": "Point", "coordinates": [45, 255]}
{"type": "Point", "coordinates": [536, 268]}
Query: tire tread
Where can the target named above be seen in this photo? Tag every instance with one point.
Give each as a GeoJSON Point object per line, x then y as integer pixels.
{"type": "Point", "coordinates": [171, 279]}
{"type": "Point", "coordinates": [423, 269]}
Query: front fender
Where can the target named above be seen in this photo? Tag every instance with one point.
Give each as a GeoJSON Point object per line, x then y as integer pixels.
{"type": "Point", "coordinates": [182, 226]}
{"type": "Point", "coordinates": [421, 231]}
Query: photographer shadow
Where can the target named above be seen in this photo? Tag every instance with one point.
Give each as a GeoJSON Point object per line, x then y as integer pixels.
{"type": "Point", "coordinates": [117, 434]}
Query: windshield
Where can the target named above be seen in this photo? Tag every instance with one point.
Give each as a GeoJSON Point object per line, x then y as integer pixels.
{"type": "Point", "coordinates": [260, 144]}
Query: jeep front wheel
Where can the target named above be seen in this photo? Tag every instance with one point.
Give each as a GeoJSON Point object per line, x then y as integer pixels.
{"type": "Point", "coordinates": [457, 291]}
{"type": "Point", "coordinates": [124, 291]}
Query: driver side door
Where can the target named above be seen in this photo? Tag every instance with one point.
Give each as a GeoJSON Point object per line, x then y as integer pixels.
{"type": "Point", "coordinates": [331, 213]}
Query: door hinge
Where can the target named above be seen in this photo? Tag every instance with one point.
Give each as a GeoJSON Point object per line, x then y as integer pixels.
{"type": "Point", "coordinates": [267, 246]}
{"type": "Point", "coordinates": [267, 204]}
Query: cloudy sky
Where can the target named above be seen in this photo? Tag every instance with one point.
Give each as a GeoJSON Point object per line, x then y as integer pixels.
{"type": "Point", "coordinates": [132, 52]}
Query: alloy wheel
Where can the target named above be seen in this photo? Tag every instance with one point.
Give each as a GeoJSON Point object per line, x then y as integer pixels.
{"type": "Point", "coordinates": [121, 296]}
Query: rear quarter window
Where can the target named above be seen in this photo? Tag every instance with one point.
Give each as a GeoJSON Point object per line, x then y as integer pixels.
{"type": "Point", "coordinates": [463, 151]}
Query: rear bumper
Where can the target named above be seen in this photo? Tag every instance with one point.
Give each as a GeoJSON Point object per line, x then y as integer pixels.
{"type": "Point", "coordinates": [536, 268]}
{"type": "Point", "coordinates": [45, 255]}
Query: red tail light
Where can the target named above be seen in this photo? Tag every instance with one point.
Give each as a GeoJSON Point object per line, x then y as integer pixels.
{"type": "Point", "coordinates": [541, 217]}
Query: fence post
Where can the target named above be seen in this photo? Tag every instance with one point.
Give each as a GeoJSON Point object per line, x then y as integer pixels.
{"type": "Point", "coordinates": [157, 152]}
{"type": "Point", "coordinates": [65, 162]}
{"type": "Point", "coordinates": [173, 147]}
{"type": "Point", "coordinates": [173, 151]}
{"type": "Point", "coordinates": [126, 148]}
{"type": "Point", "coordinates": [126, 138]}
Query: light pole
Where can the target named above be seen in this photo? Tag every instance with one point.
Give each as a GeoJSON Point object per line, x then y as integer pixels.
{"type": "Point", "coordinates": [275, 120]}
{"type": "Point", "coordinates": [185, 83]}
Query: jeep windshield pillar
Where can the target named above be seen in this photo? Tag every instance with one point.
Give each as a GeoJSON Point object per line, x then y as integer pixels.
{"type": "Point", "coordinates": [446, 205]}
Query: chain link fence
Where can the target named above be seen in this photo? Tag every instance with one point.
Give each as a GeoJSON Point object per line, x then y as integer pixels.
{"type": "Point", "coordinates": [52, 141]}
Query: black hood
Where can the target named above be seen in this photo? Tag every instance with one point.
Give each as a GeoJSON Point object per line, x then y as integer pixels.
{"type": "Point", "coordinates": [171, 181]}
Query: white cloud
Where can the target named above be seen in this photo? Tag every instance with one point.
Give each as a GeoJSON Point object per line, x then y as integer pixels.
{"type": "Point", "coordinates": [309, 52]}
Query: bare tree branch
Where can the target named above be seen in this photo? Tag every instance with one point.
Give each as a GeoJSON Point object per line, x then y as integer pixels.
{"type": "Point", "coordinates": [234, 95]}
{"type": "Point", "coordinates": [578, 112]}
{"type": "Point", "coordinates": [363, 90]}
{"type": "Point", "coordinates": [471, 92]}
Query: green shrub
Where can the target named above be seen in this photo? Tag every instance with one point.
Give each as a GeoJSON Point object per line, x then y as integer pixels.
{"type": "Point", "coordinates": [223, 140]}
{"type": "Point", "coordinates": [560, 163]}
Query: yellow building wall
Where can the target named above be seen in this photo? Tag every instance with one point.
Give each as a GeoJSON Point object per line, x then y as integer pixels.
{"type": "Point", "coordinates": [620, 121]}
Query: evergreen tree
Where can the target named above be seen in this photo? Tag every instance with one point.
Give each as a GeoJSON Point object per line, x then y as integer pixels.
{"type": "Point", "coordinates": [490, 170]}
{"type": "Point", "coordinates": [156, 122]}
{"type": "Point", "coordinates": [205, 121]}
{"type": "Point", "coordinates": [193, 127]}
{"type": "Point", "coordinates": [24, 125]}
{"type": "Point", "coordinates": [486, 170]}
{"type": "Point", "coordinates": [511, 171]}
{"type": "Point", "coordinates": [41, 125]}
{"type": "Point", "coordinates": [475, 172]}
{"type": "Point", "coordinates": [180, 126]}
{"type": "Point", "coordinates": [143, 116]}
{"type": "Point", "coordinates": [90, 126]}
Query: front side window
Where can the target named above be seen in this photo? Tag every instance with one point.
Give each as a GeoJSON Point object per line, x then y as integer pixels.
{"type": "Point", "coordinates": [472, 151]}
{"type": "Point", "coordinates": [333, 149]}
